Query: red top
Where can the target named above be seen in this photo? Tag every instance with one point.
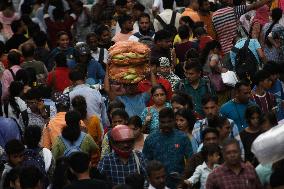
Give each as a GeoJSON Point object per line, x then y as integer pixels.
{"type": "Point", "coordinates": [59, 79]}
{"type": "Point", "coordinates": [203, 41]}
{"type": "Point", "coordinates": [146, 85]}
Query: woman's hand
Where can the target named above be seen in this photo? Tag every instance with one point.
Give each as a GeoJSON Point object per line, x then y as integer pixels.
{"type": "Point", "coordinates": [148, 117]}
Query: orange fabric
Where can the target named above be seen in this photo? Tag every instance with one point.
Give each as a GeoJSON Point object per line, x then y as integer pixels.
{"type": "Point", "coordinates": [192, 14]}
{"type": "Point", "coordinates": [94, 129]}
{"type": "Point", "coordinates": [207, 20]}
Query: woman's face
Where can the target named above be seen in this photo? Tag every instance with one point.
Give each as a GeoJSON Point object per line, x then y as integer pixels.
{"type": "Point", "coordinates": [63, 41]}
{"type": "Point", "coordinates": [159, 97]}
{"type": "Point", "coordinates": [176, 106]}
{"type": "Point", "coordinates": [136, 130]}
{"type": "Point", "coordinates": [254, 120]}
{"type": "Point", "coordinates": [182, 123]}
{"type": "Point", "coordinates": [106, 36]}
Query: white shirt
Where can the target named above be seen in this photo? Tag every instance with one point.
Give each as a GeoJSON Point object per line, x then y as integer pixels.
{"type": "Point", "coordinates": [200, 174]}
{"type": "Point", "coordinates": [166, 15]}
{"type": "Point", "coordinates": [96, 55]}
{"type": "Point", "coordinates": [152, 187]}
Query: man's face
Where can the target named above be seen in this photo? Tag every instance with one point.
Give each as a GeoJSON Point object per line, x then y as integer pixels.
{"type": "Point", "coordinates": [231, 154]}
{"type": "Point", "coordinates": [192, 75]}
{"type": "Point", "coordinates": [205, 6]}
{"type": "Point", "coordinates": [243, 94]}
{"type": "Point", "coordinates": [164, 70]}
{"type": "Point", "coordinates": [93, 43]}
{"type": "Point", "coordinates": [125, 145]}
{"type": "Point", "coordinates": [128, 25]}
{"type": "Point", "coordinates": [158, 179]}
{"type": "Point", "coordinates": [225, 130]}
{"type": "Point", "coordinates": [165, 44]}
{"type": "Point", "coordinates": [144, 24]}
{"type": "Point", "coordinates": [267, 84]}
{"type": "Point", "coordinates": [16, 159]}
{"type": "Point", "coordinates": [167, 125]}
{"type": "Point", "coordinates": [210, 138]}
{"type": "Point", "coordinates": [211, 109]}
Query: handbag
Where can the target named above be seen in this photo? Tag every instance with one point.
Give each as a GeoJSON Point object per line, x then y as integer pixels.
{"type": "Point", "coordinates": [229, 78]}
{"type": "Point", "coordinates": [217, 81]}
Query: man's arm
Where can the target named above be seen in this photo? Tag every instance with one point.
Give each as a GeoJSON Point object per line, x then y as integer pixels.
{"type": "Point", "coordinates": [257, 5]}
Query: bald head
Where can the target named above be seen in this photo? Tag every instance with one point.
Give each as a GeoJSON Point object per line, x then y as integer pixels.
{"type": "Point", "coordinates": [28, 50]}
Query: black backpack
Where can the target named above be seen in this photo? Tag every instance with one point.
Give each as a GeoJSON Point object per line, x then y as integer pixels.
{"type": "Point", "coordinates": [171, 26]}
{"type": "Point", "coordinates": [246, 63]}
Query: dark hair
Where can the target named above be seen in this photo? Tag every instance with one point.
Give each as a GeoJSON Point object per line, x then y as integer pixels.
{"type": "Point", "coordinates": [209, 98]}
{"type": "Point", "coordinates": [154, 165]}
{"type": "Point", "coordinates": [139, 6]}
{"type": "Point", "coordinates": [230, 141]}
{"type": "Point", "coordinates": [276, 15]}
{"type": "Point", "coordinates": [23, 76]}
{"type": "Point", "coordinates": [241, 83]}
{"type": "Point", "coordinates": [2, 48]}
{"type": "Point", "coordinates": [198, 31]}
{"type": "Point", "coordinates": [41, 39]}
{"type": "Point", "coordinates": [115, 104]}
{"type": "Point", "coordinates": [28, 50]}
{"type": "Point", "coordinates": [15, 25]}
{"type": "Point", "coordinates": [33, 94]}
{"type": "Point", "coordinates": [209, 150]}
{"type": "Point", "coordinates": [76, 75]}
{"type": "Point", "coordinates": [30, 177]}
{"type": "Point", "coordinates": [250, 111]}
{"type": "Point", "coordinates": [201, 2]}
{"type": "Point", "coordinates": [183, 99]}
{"type": "Point", "coordinates": [15, 90]}
{"type": "Point", "coordinates": [193, 65]}
{"type": "Point", "coordinates": [79, 162]}
{"type": "Point", "coordinates": [183, 32]}
{"type": "Point", "coordinates": [136, 121]}
{"type": "Point", "coordinates": [144, 15]}
{"type": "Point", "coordinates": [72, 131]}
{"type": "Point", "coordinates": [59, 178]}
{"type": "Point", "coordinates": [121, 113]}
{"type": "Point", "coordinates": [135, 180]}
{"type": "Point", "coordinates": [188, 21]}
{"type": "Point", "coordinates": [162, 35]}
{"type": "Point", "coordinates": [122, 186]}
{"type": "Point", "coordinates": [122, 19]}
{"type": "Point", "coordinates": [58, 13]}
{"type": "Point", "coordinates": [89, 35]}
{"type": "Point", "coordinates": [14, 146]}
{"type": "Point", "coordinates": [260, 76]}
{"type": "Point", "coordinates": [59, 34]}
{"type": "Point", "coordinates": [79, 104]}
{"type": "Point", "coordinates": [217, 122]}
{"type": "Point", "coordinates": [192, 55]}
{"type": "Point", "coordinates": [11, 176]}
{"type": "Point", "coordinates": [208, 47]}
{"type": "Point", "coordinates": [101, 28]}
{"type": "Point", "coordinates": [32, 136]}
{"type": "Point", "coordinates": [270, 116]}
{"type": "Point", "coordinates": [14, 58]}
{"type": "Point", "coordinates": [120, 2]}
{"type": "Point", "coordinates": [209, 130]}
{"type": "Point", "coordinates": [156, 87]}
{"type": "Point", "coordinates": [166, 113]}
{"type": "Point", "coordinates": [272, 67]}
{"type": "Point", "coordinates": [168, 4]}
{"type": "Point", "coordinates": [188, 115]}
{"type": "Point", "coordinates": [61, 60]}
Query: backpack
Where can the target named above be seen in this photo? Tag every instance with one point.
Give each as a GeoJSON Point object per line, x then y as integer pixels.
{"type": "Point", "coordinates": [75, 147]}
{"type": "Point", "coordinates": [171, 26]}
{"type": "Point", "coordinates": [246, 62]}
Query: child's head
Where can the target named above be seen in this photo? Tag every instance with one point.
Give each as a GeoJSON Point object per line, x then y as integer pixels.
{"type": "Point", "coordinates": [267, 121]}
{"type": "Point", "coordinates": [262, 79]}
{"type": "Point", "coordinates": [14, 150]}
{"type": "Point", "coordinates": [119, 117]}
{"type": "Point", "coordinates": [224, 127]}
{"type": "Point", "coordinates": [252, 115]}
{"type": "Point", "coordinates": [135, 123]}
{"type": "Point", "coordinates": [104, 34]}
{"type": "Point", "coordinates": [63, 40]}
{"type": "Point", "coordinates": [211, 153]}
{"type": "Point", "coordinates": [114, 105]}
{"type": "Point", "coordinates": [181, 100]}
{"type": "Point", "coordinates": [185, 120]}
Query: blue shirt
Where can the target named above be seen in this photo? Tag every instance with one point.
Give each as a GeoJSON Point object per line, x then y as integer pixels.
{"type": "Point", "coordinates": [8, 130]}
{"type": "Point", "coordinates": [69, 53]}
{"type": "Point", "coordinates": [236, 112]}
{"type": "Point", "coordinates": [253, 46]}
{"type": "Point", "coordinates": [134, 105]}
{"type": "Point", "coordinates": [170, 149]}
{"type": "Point", "coordinates": [277, 90]}
{"type": "Point", "coordinates": [94, 69]}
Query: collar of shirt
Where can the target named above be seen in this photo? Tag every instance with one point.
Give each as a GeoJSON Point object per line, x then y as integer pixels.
{"type": "Point", "coordinates": [228, 170]}
{"type": "Point", "coordinates": [205, 166]}
{"type": "Point", "coordinates": [201, 83]}
{"type": "Point", "coordinates": [152, 187]}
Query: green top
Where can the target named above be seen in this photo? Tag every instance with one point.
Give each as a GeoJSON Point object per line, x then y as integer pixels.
{"type": "Point", "coordinates": [88, 146]}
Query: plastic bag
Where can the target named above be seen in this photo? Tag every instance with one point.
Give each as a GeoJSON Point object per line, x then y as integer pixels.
{"type": "Point", "coordinates": [269, 146]}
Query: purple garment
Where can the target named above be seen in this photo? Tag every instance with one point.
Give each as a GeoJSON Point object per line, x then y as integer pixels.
{"type": "Point", "coordinates": [8, 130]}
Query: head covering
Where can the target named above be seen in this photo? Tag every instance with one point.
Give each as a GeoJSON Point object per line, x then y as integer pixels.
{"type": "Point", "coordinates": [82, 48]}
{"type": "Point", "coordinates": [164, 62]}
{"type": "Point", "coordinates": [262, 15]}
{"type": "Point", "coordinates": [61, 99]}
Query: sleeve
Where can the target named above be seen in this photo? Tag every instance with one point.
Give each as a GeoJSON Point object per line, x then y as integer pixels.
{"type": "Point", "coordinates": [235, 129]}
{"type": "Point", "coordinates": [210, 183]}
{"type": "Point", "coordinates": [105, 146]}
{"type": "Point", "coordinates": [256, 44]}
{"type": "Point", "coordinates": [147, 150]}
{"type": "Point", "coordinates": [57, 148]}
{"type": "Point", "coordinates": [196, 175]}
{"type": "Point", "coordinates": [143, 115]}
{"type": "Point", "coordinates": [92, 147]}
{"type": "Point", "coordinates": [46, 140]}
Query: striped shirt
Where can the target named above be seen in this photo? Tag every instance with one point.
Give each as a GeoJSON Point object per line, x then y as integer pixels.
{"type": "Point", "coordinates": [225, 22]}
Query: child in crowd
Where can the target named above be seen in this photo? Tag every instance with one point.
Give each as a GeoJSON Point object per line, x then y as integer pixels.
{"type": "Point", "coordinates": [212, 154]}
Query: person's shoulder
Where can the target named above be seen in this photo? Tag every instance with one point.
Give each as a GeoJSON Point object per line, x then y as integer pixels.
{"type": "Point", "coordinates": [227, 104]}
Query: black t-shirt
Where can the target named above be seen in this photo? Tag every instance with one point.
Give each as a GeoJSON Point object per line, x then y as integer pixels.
{"type": "Point", "coordinates": [15, 41]}
{"type": "Point", "coordinates": [247, 140]}
{"type": "Point", "coordinates": [88, 184]}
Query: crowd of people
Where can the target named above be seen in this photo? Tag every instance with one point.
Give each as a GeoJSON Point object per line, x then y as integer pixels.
{"type": "Point", "coordinates": [215, 83]}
